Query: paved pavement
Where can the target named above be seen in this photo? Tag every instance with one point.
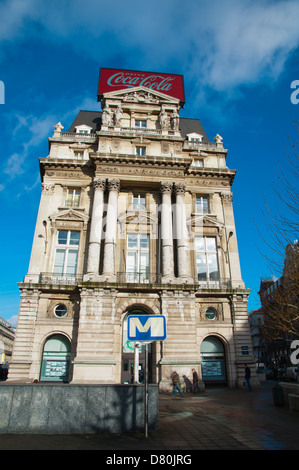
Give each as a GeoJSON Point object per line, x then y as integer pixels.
{"type": "Point", "coordinates": [218, 419]}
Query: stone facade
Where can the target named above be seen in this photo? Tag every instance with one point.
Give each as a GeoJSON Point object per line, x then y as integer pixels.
{"type": "Point", "coordinates": [135, 215]}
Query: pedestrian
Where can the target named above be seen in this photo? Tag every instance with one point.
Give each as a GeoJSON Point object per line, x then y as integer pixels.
{"type": "Point", "coordinates": [195, 381]}
{"type": "Point", "coordinates": [176, 382]}
{"type": "Point", "coordinates": [247, 376]}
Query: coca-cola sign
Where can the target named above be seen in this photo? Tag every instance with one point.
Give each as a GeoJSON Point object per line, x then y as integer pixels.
{"type": "Point", "coordinates": [115, 79]}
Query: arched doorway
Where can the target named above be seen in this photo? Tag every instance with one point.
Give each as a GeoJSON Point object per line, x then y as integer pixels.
{"type": "Point", "coordinates": [56, 359]}
{"type": "Point", "coordinates": [213, 361]}
{"type": "Point", "coordinates": [128, 354]}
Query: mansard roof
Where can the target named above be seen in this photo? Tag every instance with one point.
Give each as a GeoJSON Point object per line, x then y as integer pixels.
{"type": "Point", "coordinates": [93, 119]}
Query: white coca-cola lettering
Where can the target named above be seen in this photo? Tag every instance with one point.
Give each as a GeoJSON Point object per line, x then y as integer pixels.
{"type": "Point", "coordinates": [154, 82]}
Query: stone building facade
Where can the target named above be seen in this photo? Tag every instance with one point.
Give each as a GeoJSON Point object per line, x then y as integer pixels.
{"type": "Point", "coordinates": [135, 215]}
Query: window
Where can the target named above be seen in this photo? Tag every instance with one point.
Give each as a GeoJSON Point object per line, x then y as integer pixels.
{"type": "Point", "coordinates": [202, 205]}
{"type": "Point", "coordinates": [137, 258]}
{"type": "Point", "coordinates": [211, 314]}
{"type": "Point", "coordinates": [79, 154]}
{"type": "Point", "coordinates": [73, 198]}
{"type": "Point", "coordinates": [140, 150]}
{"type": "Point", "coordinates": [83, 129]}
{"type": "Point", "coordinates": [66, 254]}
{"type": "Point", "coordinates": [139, 203]}
{"type": "Point", "coordinates": [60, 310]}
{"type": "Point", "coordinates": [206, 260]}
{"type": "Point", "coordinates": [141, 123]}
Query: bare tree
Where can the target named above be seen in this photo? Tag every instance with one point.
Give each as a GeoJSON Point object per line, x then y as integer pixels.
{"type": "Point", "coordinates": [280, 300]}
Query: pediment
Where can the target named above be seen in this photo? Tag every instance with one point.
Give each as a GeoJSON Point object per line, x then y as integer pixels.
{"type": "Point", "coordinates": [69, 214]}
{"type": "Point", "coordinates": [141, 95]}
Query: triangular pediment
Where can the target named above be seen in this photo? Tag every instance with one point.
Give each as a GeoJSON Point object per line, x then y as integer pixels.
{"type": "Point", "coordinates": [141, 95]}
{"type": "Point", "coordinates": [69, 214]}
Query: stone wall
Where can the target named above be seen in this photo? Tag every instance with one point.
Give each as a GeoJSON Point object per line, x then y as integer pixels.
{"type": "Point", "coordinates": [76, 409]}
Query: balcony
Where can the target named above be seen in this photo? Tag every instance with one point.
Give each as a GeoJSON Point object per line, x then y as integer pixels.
{"type": "Point", "coordinates": [60, 279]}
{"type": "Point", "coordinates": [138, 278]}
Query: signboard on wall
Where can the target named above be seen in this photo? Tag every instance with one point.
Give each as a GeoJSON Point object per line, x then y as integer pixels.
{"type": "Point", "coordinates": [116, 79]}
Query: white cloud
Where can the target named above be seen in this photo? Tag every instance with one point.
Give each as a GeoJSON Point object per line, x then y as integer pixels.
{"type": "Point", "coordinates": [224, 44]}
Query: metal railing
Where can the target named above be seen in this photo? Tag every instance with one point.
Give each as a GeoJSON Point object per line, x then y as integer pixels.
{"type": "Point", "coordinates": [60, 279]}
{"type": "Point", "coordinates": [138, 278]}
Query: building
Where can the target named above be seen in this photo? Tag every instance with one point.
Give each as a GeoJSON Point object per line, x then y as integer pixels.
{"type": "Point", "coordinates": [280, 306]}
{"type": "Point", "coordinates": [135, 215]}
{"type": "Point", "coordinates": [7, 335]}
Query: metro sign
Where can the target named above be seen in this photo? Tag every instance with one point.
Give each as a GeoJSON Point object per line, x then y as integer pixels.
{"type": "Point", "coordinates": [115, 79]}
{"type": "Point", "coordinates": [146, 328]}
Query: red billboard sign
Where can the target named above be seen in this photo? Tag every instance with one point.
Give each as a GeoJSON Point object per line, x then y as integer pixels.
{"type": "Point", "coordinates": [115, 79]}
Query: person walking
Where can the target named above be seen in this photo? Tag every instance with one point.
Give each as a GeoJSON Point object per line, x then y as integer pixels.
{"type": "Point", "coordinates": [176, 382]}
{"type": "Point", "coordinates": [247, 377]}
{"type": "Point", "coordinates": [195, 381]}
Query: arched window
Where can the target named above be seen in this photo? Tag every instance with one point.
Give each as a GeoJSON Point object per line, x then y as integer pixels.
{"type": "Point", "coordinates": [213, 360]}
{"type": "Point", "coordinates": [56, 359]}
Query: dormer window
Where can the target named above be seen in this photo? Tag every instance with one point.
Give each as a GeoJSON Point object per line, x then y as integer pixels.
{"type": "Point", "coordinates": [79, 154]}
{"type": "Point", "coordinates": [83, 129]}
{"type": "Point", "coordinates": [194, 137]}
{"type": "Point", "coordinates": [140, 150]}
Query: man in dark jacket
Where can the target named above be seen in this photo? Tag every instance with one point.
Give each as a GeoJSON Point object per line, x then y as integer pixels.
{"type": "Point", "coordinates": [247, 377]}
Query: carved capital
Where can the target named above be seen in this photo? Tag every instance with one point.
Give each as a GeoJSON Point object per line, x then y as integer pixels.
{"type": "Point", "coordinates": [179, 188]}
{"type": "Point", "coordinates": [166, 187]}
{"type": "Point", "coordinates": [226, 197]}
{"type": "Point", "coordinates": [99, 183]}
{"type": "Point", "coordinates": [113, 184]}
{"type": "Point", "coordinates": [48, 188]}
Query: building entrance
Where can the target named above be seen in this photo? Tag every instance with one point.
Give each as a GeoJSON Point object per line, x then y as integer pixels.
{"type": "Point", "coordinates": [129, 353]}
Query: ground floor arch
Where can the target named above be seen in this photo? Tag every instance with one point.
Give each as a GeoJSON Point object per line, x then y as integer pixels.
{"type": "Point", "coordinates": [129, 353]}
{"type": "Point", "coordinates": [213, 357]}
{"type": "Point", "coordinates": [56, 354]}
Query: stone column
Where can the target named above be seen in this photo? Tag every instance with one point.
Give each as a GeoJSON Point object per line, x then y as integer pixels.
{"type": "Point", "coordinates": [181, 233]}
{"type": "Point", "coordinates": [166, 232]}
{"type": "Point", "coordinates": [111, 227]}
{"type": "Point", "coordinates": [95, 237]}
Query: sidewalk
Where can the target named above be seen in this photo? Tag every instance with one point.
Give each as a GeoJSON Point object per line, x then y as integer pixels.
{"type": "Point", "coordinates": [218, 419]}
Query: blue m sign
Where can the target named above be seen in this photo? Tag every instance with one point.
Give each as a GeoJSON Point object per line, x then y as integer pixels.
{"type": "Point", "coordinates": [146, 328]}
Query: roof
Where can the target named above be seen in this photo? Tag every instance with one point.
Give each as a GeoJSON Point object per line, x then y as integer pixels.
{"type": "Point", "coordinates": [93, 119]}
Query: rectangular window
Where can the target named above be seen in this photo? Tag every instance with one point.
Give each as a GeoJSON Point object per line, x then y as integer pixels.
{"type": "Point", "coordinates": [79, 154]}
{"type": "Point", "coordinates": [138, 203]}
{"type": "Point", "coordinates": [207, 261]}
{"type": "Point", "coordinates": [140, 150]}
{"type": "Point", "coordinates": [202, 205]}
{"type": "Point", "coordinates": [141, 123]}
{"type": "Point", "coordinates": [66, 254]}
{"type": "Point", "coordinates": [73, 198]}
{"type": "Point", "coordinates": [137, 258]}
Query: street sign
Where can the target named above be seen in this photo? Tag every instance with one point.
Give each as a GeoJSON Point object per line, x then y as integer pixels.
{"type": "Point", "coordinates": [146, 328]}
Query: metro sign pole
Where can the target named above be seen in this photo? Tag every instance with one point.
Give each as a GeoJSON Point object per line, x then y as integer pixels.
{"type": "Point", "coordinates": [146, 329]}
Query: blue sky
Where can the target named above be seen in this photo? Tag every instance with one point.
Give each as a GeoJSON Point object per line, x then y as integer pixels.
{"type": "Point", "coordinates": [238, 58]}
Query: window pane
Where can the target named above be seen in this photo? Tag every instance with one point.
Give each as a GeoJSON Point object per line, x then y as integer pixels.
{"type": "Point", "coordinates": [132, 241]}
{"type": "Point", "coordinates": [201, 267]}
{"type": "Point", "coordinates": [62, 237]}
{"type": "Point", "coordinates": [131, 262]}
{"type": "Point", "coordinates": [72, 262]}
{"type": "Point", "coordinates": [211, 244]}
{"type": "Point", "coordinates": [144, 242]}
{"type": "Point", "coordinates": [74, 238]}
{"type": "Point", "coordinates": [76, 200]}
{"type": "Point", "coordinates": [213, 267]}
{"type": "Point", "coordinates": [199, 244]}
{"type": "Point", "coordinates": [59, 261]}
